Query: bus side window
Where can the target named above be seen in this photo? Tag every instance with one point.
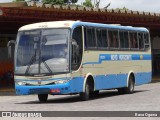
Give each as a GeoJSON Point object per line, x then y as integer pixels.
{"type": "Point", "coordinates": [99, 38]}
{"type": "Point", "coordinates": [77, 48]}
{"type": "Point", "coordinates": [104, 39]}
{"type": "Point", "coordinates": [113, 39]}
{"type": "Point", "coordinates": [90, 39]}
{"type": "Point", "coordinates": [141, 42]}
{"type": "Point", "coordinates": [124, 42]}
{"type": "Point", "coordinates": [121, 36]}
{"type": "Point", "coordinates": [146, 40]}
{"type": "Point", "coordinates": [110, 35]}
{"type": "Point", "coordinates": [110, 38]}
{"type": "Point", "coordinates": [133, 40]}
{"type": "Point", "coordinates": [126, 39]}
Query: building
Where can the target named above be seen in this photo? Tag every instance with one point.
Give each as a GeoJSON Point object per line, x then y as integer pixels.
{"type": "Point", "coordinates": [14, 15]}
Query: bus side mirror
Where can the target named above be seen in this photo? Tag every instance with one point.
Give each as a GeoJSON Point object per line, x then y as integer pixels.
{"type": "Point", "coordinates": [10, 48]}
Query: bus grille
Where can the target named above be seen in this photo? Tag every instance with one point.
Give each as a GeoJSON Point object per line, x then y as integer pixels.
{"type": "Point", "coordinates": [39, 91]}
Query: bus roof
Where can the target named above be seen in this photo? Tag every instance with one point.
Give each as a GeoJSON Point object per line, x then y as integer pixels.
{"type": "Point", "coordinates": [73, 24]}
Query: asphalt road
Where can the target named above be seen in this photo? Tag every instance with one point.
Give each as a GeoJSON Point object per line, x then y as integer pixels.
{"type": "Point", "coordinates": [145, 98]}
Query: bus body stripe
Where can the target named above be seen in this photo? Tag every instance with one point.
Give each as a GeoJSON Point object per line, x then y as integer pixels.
{"type": "Point", "coordinates": [120, 57]}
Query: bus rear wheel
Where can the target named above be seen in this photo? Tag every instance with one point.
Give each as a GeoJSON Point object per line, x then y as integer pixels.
{"type": "Point", "coordinates": [94, 93]}
{"type": "Point", "coordinates": [130, 88]}
{"type": "Point", "coordinates": [43, 97]}
{"type": "Point", "coordinates": [85, 95]}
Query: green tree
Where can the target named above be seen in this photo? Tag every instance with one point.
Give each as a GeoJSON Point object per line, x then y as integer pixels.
{"type": "Point", "coordinates": [18, 0]}
{"type": "Point", "coordinates": [58, 1]}
{"type": "Point", "coordinates": [72, 1]}
{"type": "Point", "coordinates": [88, 3]}
{"type": "Point", "coordinates": [23, 0]}
{"type": "Point", "coordinates": [124, 9]}
{"type": "Point", "coordinates": [53, 1]}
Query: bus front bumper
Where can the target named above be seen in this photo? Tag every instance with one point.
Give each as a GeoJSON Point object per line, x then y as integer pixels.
{"type": "Point", "coordinates": [43, 89]}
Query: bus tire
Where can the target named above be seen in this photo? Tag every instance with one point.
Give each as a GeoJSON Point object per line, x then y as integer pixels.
{"type": "Point", "coordinates": [43, 97]}
{"type": "Point", "coordinates": [131, 83]}
{"type": "Point", "coordinates": [85, 95]}
{"type": "Point", "coordinates": [121, 90]}
{"type": "Point", "coordinates": [96, 92]}
{"type": "Point", "coordinates": [130, 88]}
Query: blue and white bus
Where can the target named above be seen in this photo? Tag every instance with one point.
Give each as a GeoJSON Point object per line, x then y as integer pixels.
{"type": "Point", "coordinates": [74, 57]}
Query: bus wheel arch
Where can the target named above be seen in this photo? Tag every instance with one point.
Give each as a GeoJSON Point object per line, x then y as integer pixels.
{"type": "Point", "coordinates": [90, 80]}
{"type": "Point", "coordinates": [88, 87]}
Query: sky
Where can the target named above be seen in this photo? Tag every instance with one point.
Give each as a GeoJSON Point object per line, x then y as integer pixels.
{"type": "Point", "coordinates": [135, 5]}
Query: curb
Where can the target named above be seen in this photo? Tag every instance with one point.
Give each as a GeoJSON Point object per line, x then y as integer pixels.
{"type": "Point", "coordinates": [7, 91]}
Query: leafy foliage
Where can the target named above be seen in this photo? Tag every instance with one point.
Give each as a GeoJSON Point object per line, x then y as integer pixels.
{"type": "Point", "coordinates": [53, 1]}
{"type": "Point", "coordinates": [124, 9]}
{"type": "Point", "coordinates": [58, 1]}
{"type": "Point", "coordinates": [72, 1]}
{"type": "Point", "coordinates": [23, 0]}
{"type": "Point", "coordinates": [88, 3]}
{"type": "Point", "coordinates": [18, 0]}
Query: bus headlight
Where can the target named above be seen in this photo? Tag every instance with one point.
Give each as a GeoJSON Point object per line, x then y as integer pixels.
{"type": "Point", "coordinates": [21, 83]}
{"type": "Point", "coordinates": [61, 81]}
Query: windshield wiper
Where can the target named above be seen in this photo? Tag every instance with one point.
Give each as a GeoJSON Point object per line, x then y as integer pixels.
{"type": "Point", "coordinates": [48, 68]}
{"type": "Point", "coordinates": [30, 63]}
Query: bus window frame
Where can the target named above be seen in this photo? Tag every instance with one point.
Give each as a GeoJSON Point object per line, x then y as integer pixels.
{"type": "Point", "coordinates": [86, 37]}
{"type": "Point", "coordinates": [106, 31]}
{"type": "Point", "coordinates": [113, 48]}
{"type": "Point", "coordinates": [124, 49]}
{"type": "Point", "coordinates": [149, 41]}
{"type": "Point", "coordinates": [134, 49]}
{"type": "Point", "coordinates": [108, 48]}
{"type": "Point", "coordinates": [143, 41]}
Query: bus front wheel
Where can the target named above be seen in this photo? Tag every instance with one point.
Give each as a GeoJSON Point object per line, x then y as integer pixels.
{"type": "Point", "coordinates": [85, 95]}
{"type": "Point", "coordinates": [43, 97]}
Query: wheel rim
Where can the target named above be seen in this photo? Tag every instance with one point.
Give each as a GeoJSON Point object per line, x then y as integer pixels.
{"type": "Point", "coordinates": [131, 85]}
{"type": "Point", "coordinates": [87, 90]}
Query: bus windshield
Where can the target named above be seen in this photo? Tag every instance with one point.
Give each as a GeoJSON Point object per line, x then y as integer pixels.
{"type": "Point", "coordinates": [42, 52]}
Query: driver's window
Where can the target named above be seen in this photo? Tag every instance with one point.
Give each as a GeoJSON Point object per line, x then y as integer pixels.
{"type": "Point", "coordinates": [77, 48]}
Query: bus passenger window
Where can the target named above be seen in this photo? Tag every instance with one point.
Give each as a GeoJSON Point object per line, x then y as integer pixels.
{"type": "Point", "coordinates": [99, 38]}
{"type": "Point", "coordinates": [104, 39]}
{"type": "Point", "coordinates": [124, 43]}
{"type": "Point", "coordinates": [113, 37]}
{"type": "Point", "coordinates": [133, 40]}
{"type": "Point", "coordinates": [141, 42]}
{"type": "Point", "coordinates": [126, 40]}
{"type": "Point", "coordinates": [90, 39]}
{"type": "Point", "coordinates": [146, 40]}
